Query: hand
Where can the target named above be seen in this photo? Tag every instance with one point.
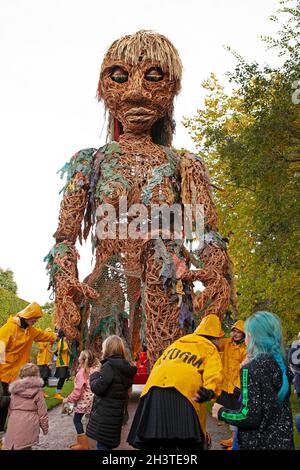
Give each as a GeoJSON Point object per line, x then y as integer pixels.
{"type": "Point", "coordinates": [245, 361]}
{"type": "Point", "coordinates": [215, 410]}
{"type": "Point", "coordinates": [236, 392]}
{"type": "Point", "coordinates": [203, 394]}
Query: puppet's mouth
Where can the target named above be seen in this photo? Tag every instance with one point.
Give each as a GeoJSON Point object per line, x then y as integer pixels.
{"type": "Point", "coordinates": [139, 114]}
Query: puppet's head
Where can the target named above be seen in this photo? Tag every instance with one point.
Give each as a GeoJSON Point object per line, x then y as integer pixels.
{"type": "Point", "coordinates": [140, 76]}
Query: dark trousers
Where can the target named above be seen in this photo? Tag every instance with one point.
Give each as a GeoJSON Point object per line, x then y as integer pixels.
{"type": "Point", "coordinates": [44, 373]}
{"type": "Point", "coordinates": [77, 420]}
{"type": "Point", "coordinates": [4, 410]}
{"type": "Point", "coordinates": [60, 383]}
{"type": "Point", "coordinates": [101, 446]}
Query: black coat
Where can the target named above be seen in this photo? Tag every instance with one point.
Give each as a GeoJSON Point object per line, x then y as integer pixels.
{"type": "Point", "coordinates": [263, 422]}
{"type": "Point", "coordinates": [110, 387]}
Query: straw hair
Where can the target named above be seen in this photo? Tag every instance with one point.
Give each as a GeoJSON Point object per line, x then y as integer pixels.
{"type": "Point", "coordinates": [113, 346]}
{"type": "Point", "coordinates": [146, 45]}
{"type": "Point", "coordinates": [29, 370]}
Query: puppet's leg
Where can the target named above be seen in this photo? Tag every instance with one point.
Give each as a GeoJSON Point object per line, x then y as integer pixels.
{"type": "Point", "coordinates": [162, 315]}
{"type": "Point", "coordinates": [131, 263]}
{"type": "Point", "coordinates": [98, 309]}
{"type": "Point", "coordinates": [135, 315]}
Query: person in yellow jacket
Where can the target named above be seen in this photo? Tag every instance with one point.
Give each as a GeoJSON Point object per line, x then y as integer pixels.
{"type": "Point", "coordinates": [233, 352]}
{"type": "Point", "coordinates": [16, 337]}
{"type": "Point", "coordinates": [62, 364]}
{"type": "Point", "coordinates": [43, 360]}
{"type": "Point", "coordinates": [172, 412]}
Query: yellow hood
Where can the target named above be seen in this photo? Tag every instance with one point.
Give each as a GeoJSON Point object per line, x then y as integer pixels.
{"type": "Point", "coordinates": [210, 326]}
{"type": "Point", "coordinates": [32, 310]}
{"type": "Point", "coordinates": [239, 325]}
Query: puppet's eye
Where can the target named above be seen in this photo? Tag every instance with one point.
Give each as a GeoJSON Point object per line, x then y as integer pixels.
{"type": "Point", "coordinates": [155, 74]}
{"type": "Point", "coordinates": [119, 75]}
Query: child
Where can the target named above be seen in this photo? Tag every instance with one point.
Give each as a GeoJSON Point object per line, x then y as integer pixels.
{"type": "Point", "coordinates": [82, 396]}
{"type": "Point", "coordinates": [43, 360]}
{"type": "Point", "coordinates": [62, 364]}
{"type": "Point", "coordinates": [234, 353]}
{"type": "Point", "coordinates": [27, 410]}
{"type": "Point", "coordinates": [110, 386]}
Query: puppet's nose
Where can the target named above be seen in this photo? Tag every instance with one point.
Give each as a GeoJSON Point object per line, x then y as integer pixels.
{"type": "Point", "coordinates": [136, 91]}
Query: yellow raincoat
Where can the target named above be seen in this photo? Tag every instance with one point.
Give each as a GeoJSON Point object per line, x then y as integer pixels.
{"type": "Point", "coordinates": [44, 354]}
{"type": "Point", "coordinates": [63, 355]}
{"type": "Point", "coordinates": [189, 363]}
{"type": "Point", "coordinates": [232, 356]}
{"type": "Point", "coordinates": [18, 341]}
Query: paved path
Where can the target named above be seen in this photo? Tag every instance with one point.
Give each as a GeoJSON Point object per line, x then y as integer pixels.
{"type": "Point", "coordinates": [62, 433]}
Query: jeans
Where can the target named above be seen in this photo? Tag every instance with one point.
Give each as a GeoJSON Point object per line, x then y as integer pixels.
{"type": "Point", "coordinates": [297, 421]}
{"type": "Point", "coordinates": [77, 423]}
{"type": "Point", "coordinates": [102, 446]}
{"type": "Point", "coordinates": [235, 445]}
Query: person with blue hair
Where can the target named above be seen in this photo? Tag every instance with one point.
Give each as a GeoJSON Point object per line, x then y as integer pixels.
{"type": "Point", "coordinates": [264, 420]}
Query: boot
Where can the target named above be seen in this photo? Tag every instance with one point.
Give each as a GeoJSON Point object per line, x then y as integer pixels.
{"type": "Point", "coordinates": [73, 445]}
{"type": "Point", "coordinates": [227, 442]}
{"type": "Point", "coordinates": [82, 443]}
{"type": "Point", "coordinates": [58, 396]}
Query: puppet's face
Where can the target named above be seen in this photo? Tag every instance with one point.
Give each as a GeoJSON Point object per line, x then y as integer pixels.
{"type": "Point", "coordinates": [137, 95]}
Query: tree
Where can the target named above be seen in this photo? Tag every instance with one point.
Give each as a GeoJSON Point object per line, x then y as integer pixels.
{"type": "Point", "coordinates": [47, 320]}
{"type": "Point", "coordinates": [7, 280]}
{"type": "Point", "coordinates": [250, 140]}
{"type": "Point", "coordinates": [9, 305]}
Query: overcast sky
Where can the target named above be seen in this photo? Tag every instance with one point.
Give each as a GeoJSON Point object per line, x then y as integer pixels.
{"type": "Point", "coordinates": [50, 55]}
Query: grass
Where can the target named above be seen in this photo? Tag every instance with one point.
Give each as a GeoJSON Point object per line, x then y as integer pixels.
{"type": "Point", "coordinates": [53, 402]}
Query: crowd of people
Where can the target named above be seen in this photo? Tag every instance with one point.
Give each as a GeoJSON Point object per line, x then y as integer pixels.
{"type": "Point", "coordinates": [246, 376]}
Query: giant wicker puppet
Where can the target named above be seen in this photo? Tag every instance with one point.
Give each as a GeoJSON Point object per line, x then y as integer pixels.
{"type": "Point", "coordinates": [141, 289]}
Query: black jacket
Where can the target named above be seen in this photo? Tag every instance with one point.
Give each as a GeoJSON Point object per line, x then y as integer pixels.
{"type": "Point", "coordinates": [263, 422]}
{"type": "Point", "coordinates": [110, 387]}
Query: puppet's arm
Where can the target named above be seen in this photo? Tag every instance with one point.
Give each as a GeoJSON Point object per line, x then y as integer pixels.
{"type": "Point", "coordinates": [211, 259]}
{"type": "Point", "coordinates": [62, 259]}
